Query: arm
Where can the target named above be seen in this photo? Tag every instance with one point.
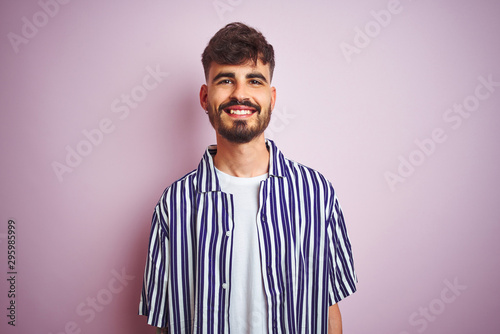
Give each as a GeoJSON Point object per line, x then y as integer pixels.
{"type": "Point", "coordinates": [161, 331]}
{"type": "Point", "coordinates": [154, 297]}
{"type": "Point", "coordinates": [334, 320]}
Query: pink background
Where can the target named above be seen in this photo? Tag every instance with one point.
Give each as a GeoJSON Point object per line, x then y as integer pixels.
{"type": "Point", "coordinates": [351, 117]}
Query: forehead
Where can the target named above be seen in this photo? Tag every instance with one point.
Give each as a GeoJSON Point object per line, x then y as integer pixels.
{"type": "Point", "coordinates": [243, 69]}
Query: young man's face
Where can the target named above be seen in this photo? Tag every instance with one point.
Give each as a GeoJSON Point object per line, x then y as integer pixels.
{"type": "Point", "coordinates": [239, 100]}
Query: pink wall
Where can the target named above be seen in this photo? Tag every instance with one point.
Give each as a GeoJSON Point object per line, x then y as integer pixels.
{"type": "Point", "coordinates": [369, 93]}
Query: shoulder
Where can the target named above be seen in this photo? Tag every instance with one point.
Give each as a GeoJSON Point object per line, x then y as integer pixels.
{"type": "Point", "coordinates": [184, 185]}
{"type": "Point", "coordinates": [298, 171]}
{"type": "Point", "coordinates": [311, 186]}
{"type": "Point", "coordinates": [308, 180]}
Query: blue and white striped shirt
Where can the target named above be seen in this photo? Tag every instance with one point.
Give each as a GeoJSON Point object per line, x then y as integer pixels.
{"type": "Point", "coordinates": [305, 251]}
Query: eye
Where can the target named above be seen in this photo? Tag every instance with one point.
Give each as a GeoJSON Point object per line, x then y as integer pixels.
{"type": "Point", "coordinates": [225, 82]}
{"type": "Point", "coordinates": [255, 82]}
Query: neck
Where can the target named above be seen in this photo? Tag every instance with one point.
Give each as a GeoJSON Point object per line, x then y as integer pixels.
{"type": "Point", "coordinates": [242, 160]}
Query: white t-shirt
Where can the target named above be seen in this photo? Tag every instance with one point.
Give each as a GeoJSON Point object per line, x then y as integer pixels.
{"type": "Point", "coordinates": [248, 306]}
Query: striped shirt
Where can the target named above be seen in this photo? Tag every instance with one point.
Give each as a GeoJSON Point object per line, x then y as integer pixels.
{"type": "Point", "coordinates": [305, 252]}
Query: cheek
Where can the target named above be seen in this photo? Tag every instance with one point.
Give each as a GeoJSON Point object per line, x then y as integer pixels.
{"type": "Point", "coordinates": [215, 99]}
{"type": "Point", "coordinates": [265, 100]}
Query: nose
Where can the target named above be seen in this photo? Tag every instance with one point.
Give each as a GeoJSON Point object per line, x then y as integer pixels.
{"type": "Point", "coordinates": [239, 92]}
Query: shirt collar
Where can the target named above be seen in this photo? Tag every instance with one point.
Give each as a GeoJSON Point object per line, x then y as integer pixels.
{"type": "Point", "coordinates": [207, 176]}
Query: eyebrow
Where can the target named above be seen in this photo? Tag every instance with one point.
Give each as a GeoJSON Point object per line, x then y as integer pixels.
{"type": "Point", "coordinates": [232, 75]}
{"type": "Point", "coordinates": [224, 75]}
{"type": "Point", "coordinates": [257, 76]}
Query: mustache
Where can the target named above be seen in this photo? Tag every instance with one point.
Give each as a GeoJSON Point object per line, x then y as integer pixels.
{"type": "Point", "coordinates": [238, 103]}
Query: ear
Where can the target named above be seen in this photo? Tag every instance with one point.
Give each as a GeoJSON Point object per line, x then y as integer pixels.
{"type": "Point", "coordinates": [204, 96]}
{"type": "Point", "coordinates": [273, 97]}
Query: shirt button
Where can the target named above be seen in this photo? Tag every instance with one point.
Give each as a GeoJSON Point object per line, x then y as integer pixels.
{"type": "Point", "coordinates": [228, 233]}
{"type": "Point", "coordinates": [224, 285]}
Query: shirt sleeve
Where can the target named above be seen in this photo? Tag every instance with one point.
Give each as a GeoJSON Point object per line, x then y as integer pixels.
{"type": "Point", "coordinates": [342, 277]}
{"type": "Point", "coordinates": [154, 303]}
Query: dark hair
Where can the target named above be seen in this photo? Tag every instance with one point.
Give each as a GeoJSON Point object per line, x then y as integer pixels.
{"type": "Point", "coordinates": [236, 44]}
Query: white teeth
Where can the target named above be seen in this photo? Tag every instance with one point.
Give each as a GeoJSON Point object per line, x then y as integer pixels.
{"type": "Point", "coordinates": [240, 111]}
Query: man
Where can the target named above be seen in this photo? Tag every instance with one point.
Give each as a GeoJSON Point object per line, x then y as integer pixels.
{"type": "Point", "coordinates": [249, 242]}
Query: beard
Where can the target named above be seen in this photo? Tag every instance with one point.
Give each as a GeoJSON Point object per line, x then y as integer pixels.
{"type": "Point", "coordinates": [240, 131]}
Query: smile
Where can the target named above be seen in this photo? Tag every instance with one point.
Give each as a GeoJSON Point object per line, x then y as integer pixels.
{"type": "Point", "coordinates": [240, 111]}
